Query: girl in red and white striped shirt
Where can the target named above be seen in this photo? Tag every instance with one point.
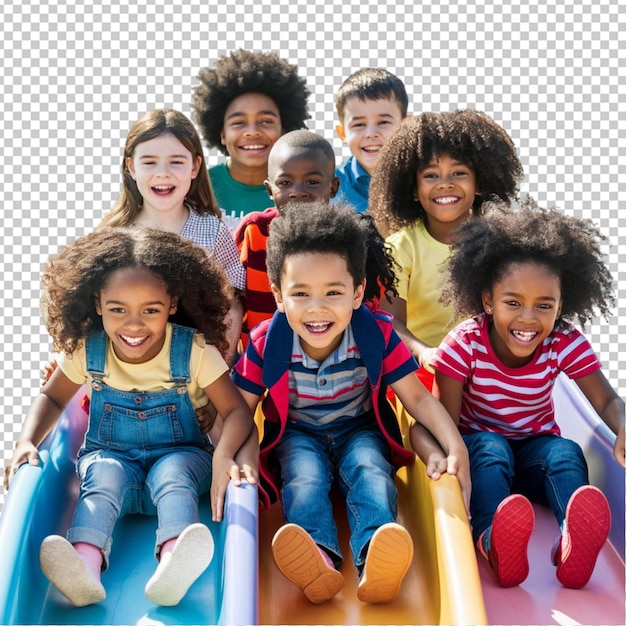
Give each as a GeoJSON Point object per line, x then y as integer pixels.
{"type": "Point", "coordinates": [522, 275]}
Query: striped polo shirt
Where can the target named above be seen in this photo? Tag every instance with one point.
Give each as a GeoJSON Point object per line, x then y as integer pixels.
{"type": "Point", "coordinates": [515, 402]}
{"type": "Point", "coordinates": [320, 393]}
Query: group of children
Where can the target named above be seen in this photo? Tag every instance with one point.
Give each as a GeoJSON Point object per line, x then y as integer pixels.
{"type": "Point", "coordinates": [343, 293]}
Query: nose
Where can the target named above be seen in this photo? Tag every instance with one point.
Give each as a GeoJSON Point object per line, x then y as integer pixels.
{"type": "Point", "coordinates": [526, 313]}
{"type": "Point", "coordinates": [371, 130]}
{"type": "Point", "coordinates": [299, 192]}
{"type": "Point", "coordinates": [446, 181]}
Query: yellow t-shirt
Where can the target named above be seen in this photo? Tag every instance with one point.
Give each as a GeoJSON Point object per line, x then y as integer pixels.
{"type": "Point", "coordinates": [419, 258]}
{"type": "Point", "coordinates": [206, 365]}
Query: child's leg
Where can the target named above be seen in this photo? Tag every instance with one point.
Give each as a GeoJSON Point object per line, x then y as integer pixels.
{"type": "Point", "coordinates": [382, 549]}
{"type": "Point", "coordinates": [501, 523]}
{"type": "Point", "coordinates": [553, 469]}
{"type": "Point", "coordinates": [184, 546]}
{"type": "Point", "coordinates": [307, 475]}
{"type": "Point", "coordinates": [492, 470]}
{"type": "Point", "coordinates": [73, 570]}
{"type": "Point", "coordinates": [306, 549]}
{"type": "Point", "coordinates": [109, 487]}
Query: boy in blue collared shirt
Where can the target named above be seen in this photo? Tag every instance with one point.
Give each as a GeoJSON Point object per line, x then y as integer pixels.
{"type": "Point", "coordinates": [371, 105]}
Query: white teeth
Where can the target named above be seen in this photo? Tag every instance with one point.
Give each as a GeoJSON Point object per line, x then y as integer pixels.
{"type": "Point", "coordinates": [133, 341]}
{"type": "Point", "coordinates": [372, 149]}
{"type": "Point", "coordinates": [446, 200]}
{"type": "Point", "coordinates": [253, 147]}
{"type": "Point", "coordinates": [317, 326]}
{"type": "Point", "coordinates": [525, 335]}
{"type": "Point", "coordinates": [163, 187]}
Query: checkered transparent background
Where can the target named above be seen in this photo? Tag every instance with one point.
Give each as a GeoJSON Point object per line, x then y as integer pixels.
{"type": "Point", "coordinates": [75, 77]}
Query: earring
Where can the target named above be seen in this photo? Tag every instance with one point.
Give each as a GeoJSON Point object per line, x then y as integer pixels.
{"type": "Point", "coordinates": [488, 310]}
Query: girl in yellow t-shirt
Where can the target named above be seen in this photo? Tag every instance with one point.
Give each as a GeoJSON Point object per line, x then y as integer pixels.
{"type": "Point", "coordinates": [108, 298]}
{"type": "Point", "coordinates": [432, 175]}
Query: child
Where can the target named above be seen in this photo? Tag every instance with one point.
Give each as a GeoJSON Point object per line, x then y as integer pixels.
{"type": "Point", "coordinates": [165, 186]}
{"type": "Point", "coordinates": [371, 105]}
{"type": "Point", "coordinates": [242, 106]}
{"type": "Point", "coordinates": [325, 361]}
{"type": "Point", "coordinates": [521, 275]}
{"type": "Point", "coordinates": [301, 167]}
{"type": "Point", "coordinates": [432, 175]}
{"type": "Point", "coordinates": [107, 301]}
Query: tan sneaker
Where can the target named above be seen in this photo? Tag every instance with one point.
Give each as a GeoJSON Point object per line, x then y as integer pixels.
{"type": "Point", "coordinates": [300, 559]}
{"type": "Point", "coordinates": [64, 568]}
{"type": "Point", "coordinates": [181, 567]}
{"type": "Point", "coordinates": [388, 559]}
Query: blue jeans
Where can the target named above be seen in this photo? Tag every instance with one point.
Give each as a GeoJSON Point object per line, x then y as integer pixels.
{"type": "Point", "coordinates": [143, 453]}
{"type": "Point", "coordinates": [356, 454]}
{"type": "Point", "coordinates": [545, 468]}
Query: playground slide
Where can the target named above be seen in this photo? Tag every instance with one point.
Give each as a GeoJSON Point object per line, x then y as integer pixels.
{"type": "Point", "coordinates": [447, 583]}
{"type": "Point", "coordinates": [41, 501]}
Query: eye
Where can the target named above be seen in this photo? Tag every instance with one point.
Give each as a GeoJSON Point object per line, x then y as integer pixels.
{"type": "Point", "coordinates": [512, 303]}
{"type": "Point", "coordinates": [116, 309]}
{"type": "Point", "coordinates": [151, 311]}
{"type": "Point", "coordinates": [545, 306]}
{"type": "Point", "coordinates": [283, 183]}
{"type": "Point", "coordinates": [334, 292]}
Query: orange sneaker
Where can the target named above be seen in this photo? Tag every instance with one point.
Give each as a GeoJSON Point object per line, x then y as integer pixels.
{"type": "Point", "coordinates": [511, 528]}
{"type": "Point", "coordinates": [388, 559]}
{"type": "Point", "coordinates": [302, 561]}
{"type": "Point", "coordinates": [586, 528]}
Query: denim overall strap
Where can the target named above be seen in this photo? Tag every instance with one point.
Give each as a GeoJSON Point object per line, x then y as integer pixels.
{"type": "Point", "coordinates": [96, 349]}
{"type": "Point", "coordinates": [180, 350]}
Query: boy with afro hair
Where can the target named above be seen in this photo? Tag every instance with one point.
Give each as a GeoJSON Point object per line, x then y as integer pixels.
{"type": "Point", "coordinates": [242, 106]}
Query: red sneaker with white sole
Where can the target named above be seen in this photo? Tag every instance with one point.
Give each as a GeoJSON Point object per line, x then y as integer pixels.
{"type": "Point", "coordinates": [586, 528]}
{"type": "Point", "coordinates": [512, 525]}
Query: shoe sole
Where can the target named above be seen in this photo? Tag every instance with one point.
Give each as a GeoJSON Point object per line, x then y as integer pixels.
{"type": "Point", "coordinates": [587, 524]}
{"type": "Point", "coordinates": [388, 559]}
{"type": "Point", "coordinates": [191, 555]}
{"type": "Point", "coordinates": [511, 529]}
{"type": "Point", "coordinates": [299, 559]}
{"type": "Point", "coordinates": [64, 568]}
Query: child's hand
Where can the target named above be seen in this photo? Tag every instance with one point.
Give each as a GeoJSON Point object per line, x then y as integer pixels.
{"type": "Point", "coordinates": [619, 449]}
{"type": "Point", "coordinates": [245, 472]}
{"type": "Point", "coordinates": [25, 452]}
{"type": "Point", "coordinates": [206, 417]}
{"type": "Point", "coordinates": [47, 371]}
{"type": "Point", "coordinates": [437, 465]}
{"type": "Point", "coordinates": [459, 466]}
{"type": "Point", "coordinates": [426, 358]}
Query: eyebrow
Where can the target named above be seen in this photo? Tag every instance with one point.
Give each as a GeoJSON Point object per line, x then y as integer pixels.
{"type": "Point", "coordinates": [360, 117]}
{"type": "Point", "coordinates": [337, 283]}
{"type": "Point", "coordinates": [238, 113]}
{"type": "Point", "coordinates": [513, 294]}
{"type": "Point", "coordinates": [109, 302]}
{"type": "Point", "coordinates": [170, 156]}
{"type": "Point", "coordinates": [311, 173]}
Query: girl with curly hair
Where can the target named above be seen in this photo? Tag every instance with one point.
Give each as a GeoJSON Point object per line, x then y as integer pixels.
{"type": "Point", "coordinates": [107, 301]}
{"type": "Point", "coordinates": [165, 185]}
{"type": "Point", "coordinates": [242, 106]}
{"type": "Point", "coordinates": [431, 176]}
{"type": "Point", "coordinates": [523, 275]}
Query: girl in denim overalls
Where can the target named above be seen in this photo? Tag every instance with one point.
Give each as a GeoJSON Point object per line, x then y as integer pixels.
{"type": "Point", "coordinates": [107, 301]}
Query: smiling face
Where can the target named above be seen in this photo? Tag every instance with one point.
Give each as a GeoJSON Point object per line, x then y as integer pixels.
{"type": "Point", "coordinates": [300, 174]}
{"type": "Point", "coordinates": [446, 189]}
{"type": "Point", "coordinates": [367, 125]}
{"type": "Point", "coordinates": [525, 305]}
{"type": "Point", "coordinates": [318, 296]}
{"type": "Point", "coordinates": [134, 305]}
{"type": "Point", "coordinates": [252, 125]}
{"type": "Point", "coordinates": [163, 170]}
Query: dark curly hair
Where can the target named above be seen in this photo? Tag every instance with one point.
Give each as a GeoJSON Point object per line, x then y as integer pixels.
{"type": "Point", "coordinates": [487, 246]}
{"type": "Point", "coordinates": [150, 126]}
{"type": "Point", "coordinates": [468, 136]}
{"type": "Point", "coordinates": [317, 227]}
{"type": "Point", "coordinates": [241, 72]}
{"type": "Point", "coordinates": [379, 264]}
{"type": "Point", "coordinates": [74, 277]}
